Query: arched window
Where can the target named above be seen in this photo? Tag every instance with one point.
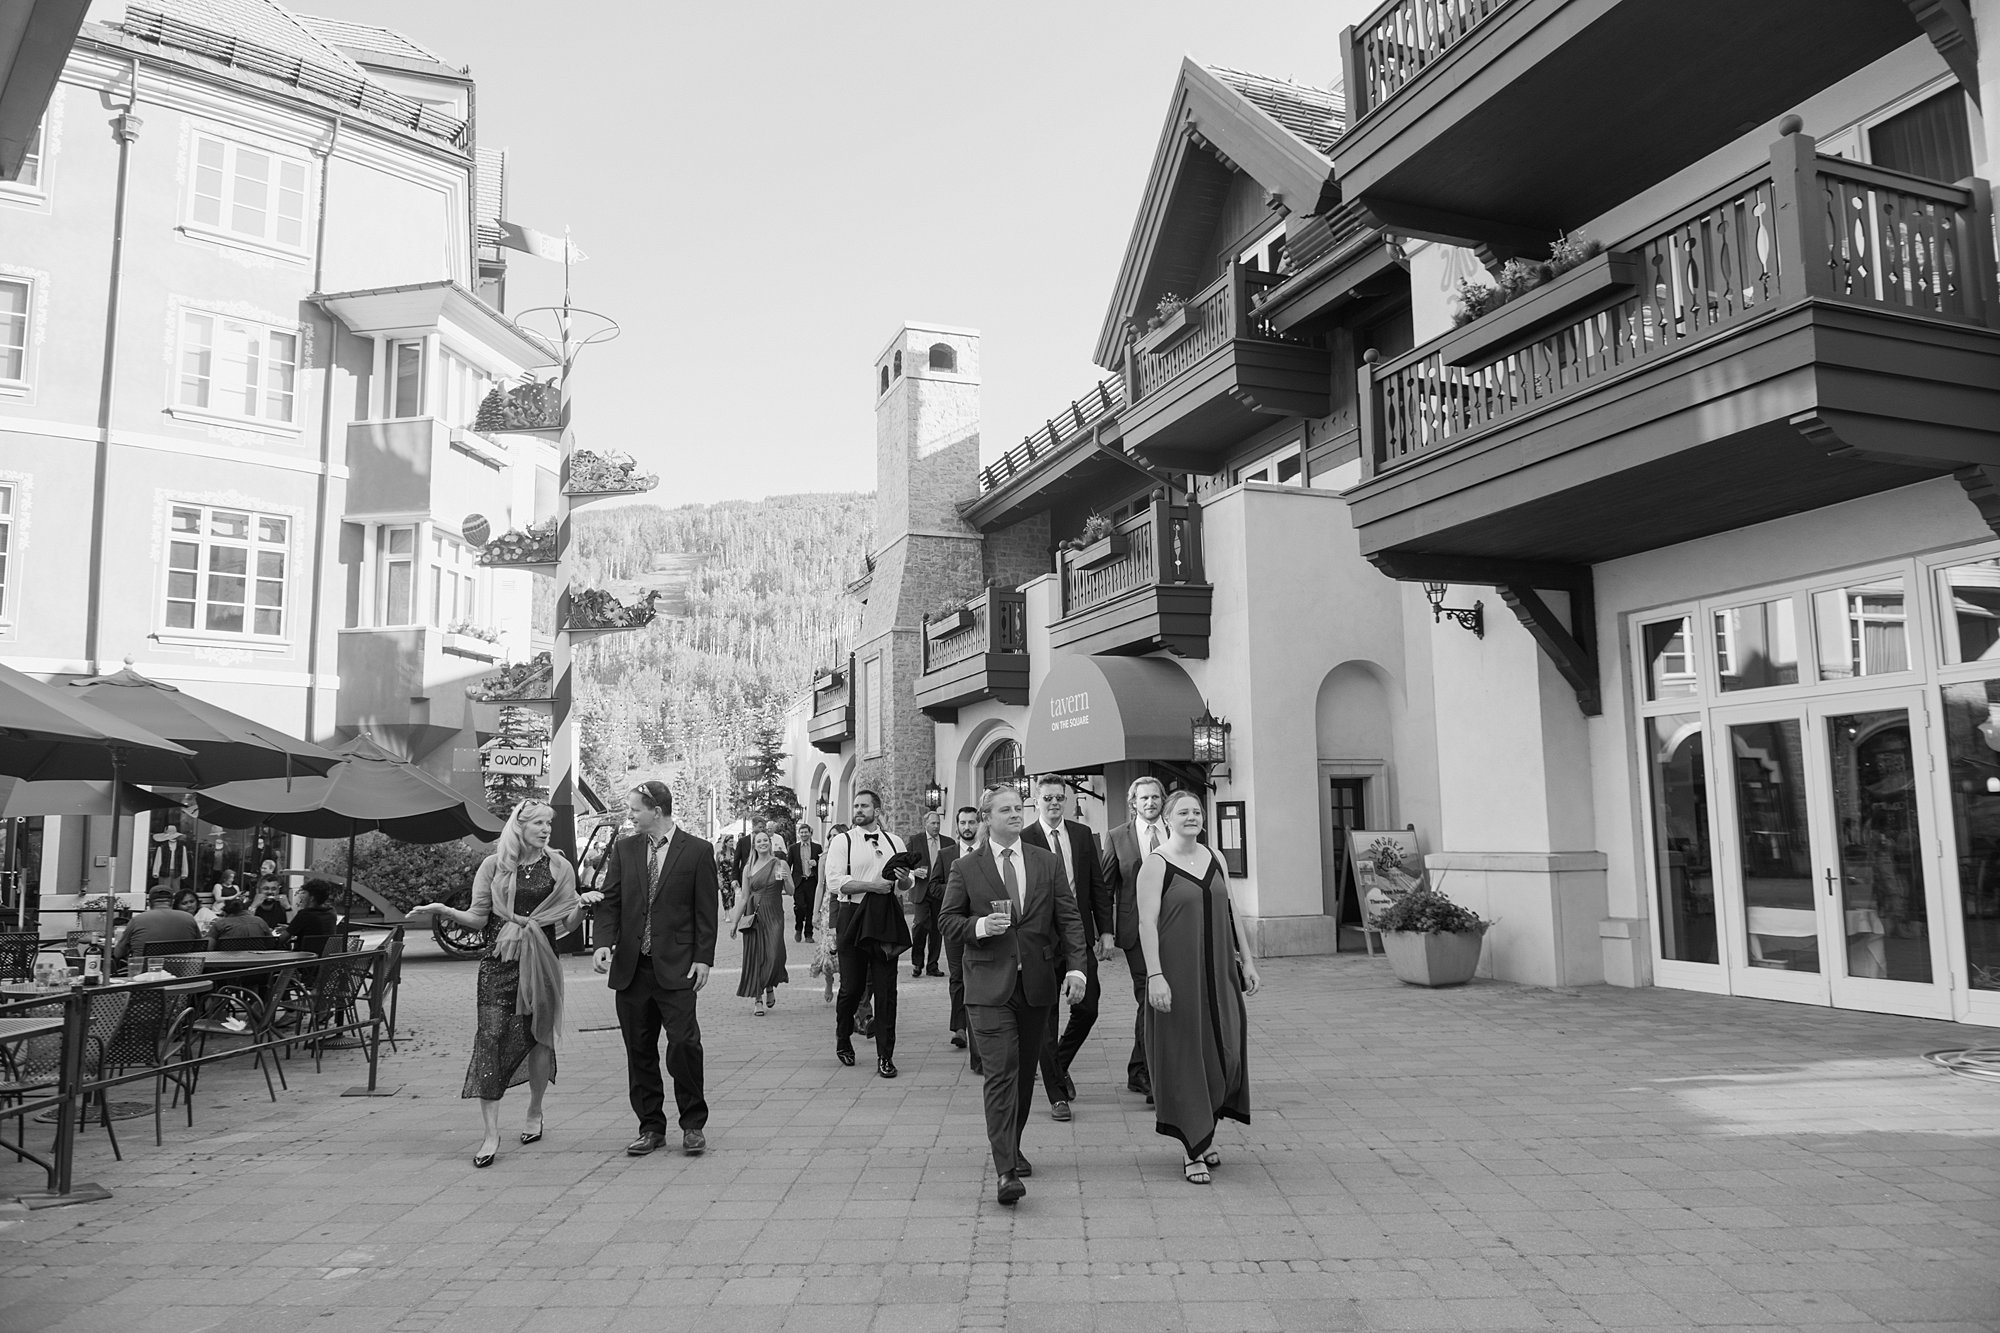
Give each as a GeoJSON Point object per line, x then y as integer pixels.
{"type": "Point", "coordinates": [1003, 764]}
{"type": "Point", "coordinates": [943, 358]}
{"type": "Point", "coordinates": [885, 381]}
{"type": "Point", "coordinates": [898, 363]}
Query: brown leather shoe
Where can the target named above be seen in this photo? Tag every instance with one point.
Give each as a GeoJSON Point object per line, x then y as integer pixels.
{"type": "Point", "coordinates": [1059, 1111]}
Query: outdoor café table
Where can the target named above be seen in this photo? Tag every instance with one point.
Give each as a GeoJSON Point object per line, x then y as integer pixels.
{"type": "Point", "coordinates": [15, 1029]}
{"type": "Point", "coordinates": [225, 962]}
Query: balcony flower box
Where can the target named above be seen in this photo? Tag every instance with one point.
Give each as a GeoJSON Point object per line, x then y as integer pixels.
{"type": "Point", "coordinates": [593, 610]}
{"type": "Point", "coordinates": [531, 407]}
{"type": "Point", "coordinates": [608, 473]}
{"type": "Point", "coordinates": [470, 645]}
{"type": "Point", "coordinates": [832, 678]}
{"type": "Point", "coordinates": [1094, 555]}
{"type": "Point", "coordinates": [527, 682]}
{"type": "Point", "coordinates": [1169, 330]}
{"type": "Point", "coordinates": [1530, 314]}
{"type": "Point", "coordinates": [949, 623]}
{"type": "Point", "coordinates": [511, 550]}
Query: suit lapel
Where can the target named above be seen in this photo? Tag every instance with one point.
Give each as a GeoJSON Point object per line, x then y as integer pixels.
{"type": "Point", "coordinates": [676, 846]}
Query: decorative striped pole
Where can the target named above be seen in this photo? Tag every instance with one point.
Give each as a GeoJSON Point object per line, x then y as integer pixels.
{"type": "Point", "coordinates": [562, 737]}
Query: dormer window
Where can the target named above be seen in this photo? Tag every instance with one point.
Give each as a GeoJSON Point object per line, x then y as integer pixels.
{"type": "Point", "coordinates": [943, 357]}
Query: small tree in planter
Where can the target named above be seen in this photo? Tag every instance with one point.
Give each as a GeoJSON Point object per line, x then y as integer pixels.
{"type": "Point", "coordinates": [1430, 940]}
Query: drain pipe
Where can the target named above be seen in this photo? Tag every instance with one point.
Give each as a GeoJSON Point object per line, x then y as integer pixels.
{"type": "Point", "coordinates": [125, 128]}
{"type": "Point", "coordinates": [317, 615]}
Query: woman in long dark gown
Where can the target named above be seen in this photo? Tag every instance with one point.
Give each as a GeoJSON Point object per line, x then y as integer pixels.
{"type": "Point", "coordinates": [521, 895]}
{"type": "Point", "coordinates": [1198, 970]}
{"type": "Point", "coordinates": [766, 877]}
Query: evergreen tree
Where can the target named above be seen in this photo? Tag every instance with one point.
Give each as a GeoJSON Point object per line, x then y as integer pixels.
{"type": "Point", "coordinates": [520, 729]}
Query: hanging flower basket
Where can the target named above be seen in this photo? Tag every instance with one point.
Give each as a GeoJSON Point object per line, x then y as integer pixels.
{"type": "Point", "coordinates": [532, 681]}
{"type": "Point", "coordinates": [608, 473]}
{"type": "Point", "coordinates": [947, 623]}
{"type": "Point", "coordinates": [536, 546]}
{"type": "Point", "coordinates": [592, 610]}
{"type": "Point", "coordinates": [531, 407]}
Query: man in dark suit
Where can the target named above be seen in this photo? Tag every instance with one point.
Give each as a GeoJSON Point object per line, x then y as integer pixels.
{"type": "Point", "coordinates": [805, 878]}
{"type": "Point", "coordinates": [1010, 908]}
{"type": "Point", "coordinates": [1076, 847]}
{"type": "Point", "coordinates": [1127, 848]}
{"type": "Point", "coordinates": [967, 819]}
{"type": "Point", "coordinates": [656, 931]}
{"type": "Point", "coordinates": [926, 892]}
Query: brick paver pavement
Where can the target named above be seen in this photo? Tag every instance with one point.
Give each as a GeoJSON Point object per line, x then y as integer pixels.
{"type": "Point", "coordinates": [1493, 1157]}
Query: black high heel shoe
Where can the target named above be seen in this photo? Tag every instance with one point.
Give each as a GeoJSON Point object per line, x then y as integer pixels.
{"type": "Point", "coordinates": [486, 1158]}
{"type": "Point", "coordinates": [536, 1137]}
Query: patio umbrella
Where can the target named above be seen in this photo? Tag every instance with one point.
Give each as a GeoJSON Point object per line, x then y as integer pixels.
{"type": "Point", "coordinates": [228, 747]}
{"type": "Point", "coordinates": [50, 734]}
{"type": "Point", "coordinates": [19, 799]}
{"type": "Point", "coordinates": [369, 790]}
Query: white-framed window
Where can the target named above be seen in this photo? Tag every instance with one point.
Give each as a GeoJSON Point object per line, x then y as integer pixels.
{"type": "Point", "coordinates": [1285, 467]}
{"type": "Point", "coordinates": [454, 581]}
{"type": "Point", "coordinates": [465, 387]}
{"type": "Point", "coordinates": [235, 368]}
{"type": "Point", "coordinates": [29, 181]}
{"type": "Point", "coordinates": [247, 193]}
{"type": "Point", "coordinates": [6, 552]}
{"type": "Point", "coordinates": [406, 378]}
{"type": "Point", "coordinates": [227, 571]}
{"type": "Point", "coordinates": [396, 575]}
{"type": "Point", "coordinates": [1267, 251]}
{"type": "Point", "coordinates": [17, 300]}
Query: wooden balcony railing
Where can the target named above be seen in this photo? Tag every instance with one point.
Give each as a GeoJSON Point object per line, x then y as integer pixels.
{"type": "Point", "coordinates": [1163, 545]}
{"type": "Point", "coordinates": [838, 691]}
{"type": "Point", "coordinates": [999, 625]}
{"type": "Point", "coordinates": [1217, 314]}
{"type": "Point", "coordinates": [1389, 48]}
{"type": "Point", "coordinates": [1803, 228]}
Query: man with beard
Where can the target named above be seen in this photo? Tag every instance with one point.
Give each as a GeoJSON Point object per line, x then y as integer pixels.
{"type": "Point", "coordinates": [870, 932]}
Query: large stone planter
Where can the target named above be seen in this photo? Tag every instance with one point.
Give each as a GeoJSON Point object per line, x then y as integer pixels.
{"type": "Point", "coordinates": [1441, 958]}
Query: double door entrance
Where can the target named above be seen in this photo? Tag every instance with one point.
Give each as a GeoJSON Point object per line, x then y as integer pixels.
{"type": "Point", "coordinates": [1827, 852]}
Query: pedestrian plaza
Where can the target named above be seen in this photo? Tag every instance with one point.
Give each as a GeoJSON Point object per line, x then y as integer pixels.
{"type": "Point", "coordinates": [1491, 1157]}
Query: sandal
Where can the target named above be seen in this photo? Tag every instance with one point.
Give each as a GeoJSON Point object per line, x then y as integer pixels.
{"type": "Point", "coordinates": [1212, 1157]}
{"type": "Point", "coordinates": [1196, 1171]}
{"type": "Point", "coordinates": [759, 1010]}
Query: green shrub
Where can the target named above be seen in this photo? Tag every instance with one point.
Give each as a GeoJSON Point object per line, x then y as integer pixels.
{"type": "Point", "coordinates": [405, 873]}
{"type": "Point", "coordinates": [1428, 912]}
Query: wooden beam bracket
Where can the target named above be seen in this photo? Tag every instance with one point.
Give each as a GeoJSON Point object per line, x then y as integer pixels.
{"type": "Point", "coordinates": [1565, 645]}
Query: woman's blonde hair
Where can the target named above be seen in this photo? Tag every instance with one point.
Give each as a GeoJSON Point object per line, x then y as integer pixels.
{"type": "Point", "coordinates": [507, 856]}
{"type": "Point", "coordinates": [1175, 798]}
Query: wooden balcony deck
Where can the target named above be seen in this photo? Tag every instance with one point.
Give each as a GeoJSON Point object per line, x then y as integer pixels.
{"type": "Point", "coordinates": [981, 653]}
{"type": "Point", "coordinates": [1155, 595]}
{"type": "Point", "coordinates": [832, 721]}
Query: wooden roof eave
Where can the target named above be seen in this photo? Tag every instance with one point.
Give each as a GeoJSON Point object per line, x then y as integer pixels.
{"type": "Point", "coordinates": [1332, 281]}
{"type": "Point", "coordinates": [1072, 470]}
{"type": "Point", "coordinates": [1269, 153]}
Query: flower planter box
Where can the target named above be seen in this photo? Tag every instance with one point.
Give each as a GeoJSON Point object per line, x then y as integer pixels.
{"type": "Point", "coordinates": [1170, 330]}
{"type": "Point", "coordinates": [1103, 551]}
{"type": "Point", "coordinates": [1527, 317]}
{"type": "Point", "coordinates": [465, 645]}
{"type": "Point", "coordinates": [1439, 958]}
{"type": "Point", "coordinates": [950, 623]}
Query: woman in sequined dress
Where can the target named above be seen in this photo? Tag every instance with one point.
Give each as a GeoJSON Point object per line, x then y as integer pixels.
{"type": "Point", "coordinates": [522, 895]}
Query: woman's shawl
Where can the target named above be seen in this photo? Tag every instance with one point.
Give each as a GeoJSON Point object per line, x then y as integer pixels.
{"type": "Point", "coordinates": [540, 993]}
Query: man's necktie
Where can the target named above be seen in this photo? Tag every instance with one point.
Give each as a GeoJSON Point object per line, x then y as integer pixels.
{"type": "Point", "coordinates": [1059, 844]}
{"type": "Point", "coordinates": [652, 891]}
{"type": "Point", "coordinates": [1152, 839]}
{"type": "Point", "coordinates": [1011, 881]}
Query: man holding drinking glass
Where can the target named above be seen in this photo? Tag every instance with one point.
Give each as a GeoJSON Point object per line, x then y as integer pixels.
{"type": "Point", "coordinates": [1026, 934]}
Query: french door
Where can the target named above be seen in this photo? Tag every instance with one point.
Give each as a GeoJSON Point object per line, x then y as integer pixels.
{"type": "Point", "coordinates": [1830, 887]}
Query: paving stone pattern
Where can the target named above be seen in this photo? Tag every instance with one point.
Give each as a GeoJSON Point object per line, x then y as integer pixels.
{"type": "Point", "coordinates": [1494, 1157]}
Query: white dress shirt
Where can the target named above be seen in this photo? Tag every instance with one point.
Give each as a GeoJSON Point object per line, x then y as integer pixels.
{"type": "Point", "coordinates": [852, 856]}
{"type": "Point", "coordinates": [1020, 857]}
{"type": "Point", "coordinates": [1058, 840]}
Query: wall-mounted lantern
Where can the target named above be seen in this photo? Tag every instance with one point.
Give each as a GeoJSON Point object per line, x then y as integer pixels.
{"type": "Point", "coordinates": [933, 795]}
{"type": "Point", "coordinates": [1470, 617]}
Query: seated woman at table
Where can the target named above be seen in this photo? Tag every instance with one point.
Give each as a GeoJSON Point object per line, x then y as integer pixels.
{"type": "Point", "coordinates": [237, 922]}
{"type": "Point", "coordinates": [315, 922]}
{"type": "Point", "coordinates": [521, 896]}
{"type": "Point", "coordinates": [189, 901]}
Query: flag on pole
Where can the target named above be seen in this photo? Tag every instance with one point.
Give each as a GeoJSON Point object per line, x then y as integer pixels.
{"type": "Point", "coordinates": [539, 243]}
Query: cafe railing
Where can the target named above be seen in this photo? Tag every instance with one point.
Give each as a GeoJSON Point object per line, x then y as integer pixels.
{"type": "Point", "coordinates": [1804, 227]}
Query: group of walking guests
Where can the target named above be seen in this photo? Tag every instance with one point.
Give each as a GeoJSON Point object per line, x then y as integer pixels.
{"type": "Point", "coordinates": [1025, 910]}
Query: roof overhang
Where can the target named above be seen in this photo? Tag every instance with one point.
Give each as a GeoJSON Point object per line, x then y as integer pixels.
{"type": "Point", "coordinates": [1084, 467]}
{"type": "Point", "coordinates": [35, 41]}
{"type": "Point", "coordinates": [1093, 710]}
{"type": "Point", "coordinates": [441, 307]}
{"type": "Point", "coordinates": [1285, 165]}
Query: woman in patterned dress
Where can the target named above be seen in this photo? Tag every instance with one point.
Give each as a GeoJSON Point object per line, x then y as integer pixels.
{"type": "Point", "coordinates": [521, 895]}
{"type": "Point", "coordinates": [1198, 971]}
{"type": "Point", "coordinates": [765, 879]}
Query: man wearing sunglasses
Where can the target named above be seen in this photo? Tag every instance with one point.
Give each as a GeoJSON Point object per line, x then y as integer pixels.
{"type": "Point", "coordinates": [1076, 847]}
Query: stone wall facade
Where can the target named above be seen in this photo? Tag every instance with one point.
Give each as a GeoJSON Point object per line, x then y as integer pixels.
{"type": "Point", "coordinates": [1019, 552]}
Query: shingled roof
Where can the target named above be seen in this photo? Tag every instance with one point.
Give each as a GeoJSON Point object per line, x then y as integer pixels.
{"type": "Point", "coordinates": [369, 38]}
{"type": "Point", "coordinates": [1316, 115]}
{"type": "Point", "coordinates": [264, 22]}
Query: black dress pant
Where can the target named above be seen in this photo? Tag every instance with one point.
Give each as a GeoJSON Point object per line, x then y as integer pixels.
{"type": "Point", "coordinates": [1136, 1074]}
{"type": "Point", "coordinates": [1059, 1052]}
{"type": "Point", "coordinates": [802, 910]}
{"type": "Point", "coordinates": [864, 970]}
{"type": "Point", "coordinates": [1009, 1038]}
{"type": "Point", "coordinates": [926, 940]}
{"type": "Point", "coordinates": [646, 1010]}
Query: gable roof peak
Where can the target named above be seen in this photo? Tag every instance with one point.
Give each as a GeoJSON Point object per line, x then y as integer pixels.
{"type": "Point", "coordinates": [1316, 115]}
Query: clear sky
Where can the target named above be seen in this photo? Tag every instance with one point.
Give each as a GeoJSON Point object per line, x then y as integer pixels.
{"type": "Point", "coordinates": [766, 190]}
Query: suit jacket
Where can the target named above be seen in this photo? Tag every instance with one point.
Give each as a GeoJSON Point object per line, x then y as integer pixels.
{"type": "Point", "coordinates": [929, 880]}
{"type": "Point", "coordinates": [804, 857]}
{"type": "Point", "coordinates": [1120, 870]}
{"type": "Point", "coordinates": [1088, 887]}
{"type": "Point", "coordinates": [685, 909]}
{"type": "Point", "coordinates": [1046, 940]}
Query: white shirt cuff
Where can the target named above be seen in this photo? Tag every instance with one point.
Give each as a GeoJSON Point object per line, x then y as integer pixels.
{"type": "Point", "coordinates": [1078, 975]}
{"type": "Point", "coordinates": [979, 928]}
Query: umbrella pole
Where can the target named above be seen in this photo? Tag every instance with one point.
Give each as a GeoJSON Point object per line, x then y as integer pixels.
{"type": "Point", "coordinates": [117, 801]}
{"type": "Point", "coordinates": [347, 896]}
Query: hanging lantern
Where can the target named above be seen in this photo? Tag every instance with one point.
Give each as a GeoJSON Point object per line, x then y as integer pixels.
{"type": "Point", "coordinates": [1211, 739]}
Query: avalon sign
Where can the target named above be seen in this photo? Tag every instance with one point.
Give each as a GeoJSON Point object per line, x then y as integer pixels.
{"type": "Point", "coordinates": [515, 763]}
{"type": "Point", "coordinates": [1091, 711]}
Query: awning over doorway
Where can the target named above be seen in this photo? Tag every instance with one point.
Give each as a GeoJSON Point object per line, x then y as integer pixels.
{"type": "Point", "coordinates": [1093, 710]}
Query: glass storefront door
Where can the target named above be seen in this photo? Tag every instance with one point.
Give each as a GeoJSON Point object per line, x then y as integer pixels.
{"type": "Point", "coordinates": [1828, 894]}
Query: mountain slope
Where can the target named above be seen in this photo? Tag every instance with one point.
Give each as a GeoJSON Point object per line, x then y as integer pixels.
{"type": "Point", "coordinates": [762, 584]}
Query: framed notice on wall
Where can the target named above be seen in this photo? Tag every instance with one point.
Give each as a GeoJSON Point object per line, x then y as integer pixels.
{"type": "Point", "coordinates": [1230, 839]}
